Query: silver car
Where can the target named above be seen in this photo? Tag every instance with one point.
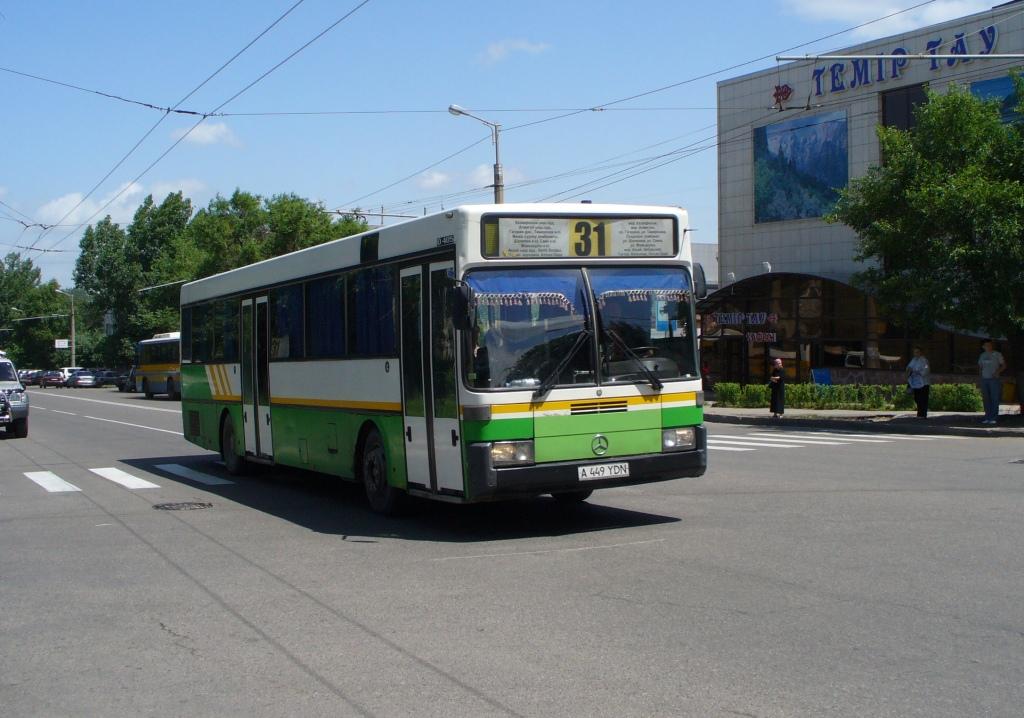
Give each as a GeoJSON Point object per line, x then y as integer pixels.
{"type": "Point", "coordinates": [14, 401]}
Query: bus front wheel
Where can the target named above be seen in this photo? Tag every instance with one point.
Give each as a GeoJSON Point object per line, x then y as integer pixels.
{"type": "Point", "coordinates": [234, 463]}
{"type": "Point", "coordinates": [172, 392]}
{"type": "Point", "coordinates": [146, 390]}
{"type": "Point", "coordinates": [383, 497]}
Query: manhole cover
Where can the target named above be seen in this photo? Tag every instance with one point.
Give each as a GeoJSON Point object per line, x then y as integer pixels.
{"type": "Point", "coordinates": [183, 506]}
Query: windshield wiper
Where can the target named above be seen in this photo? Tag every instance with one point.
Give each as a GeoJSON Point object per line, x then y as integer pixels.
{"type": "Point", "coordinates": [655, 382]}
{"type": "Point", "coordinates": [552, 378]}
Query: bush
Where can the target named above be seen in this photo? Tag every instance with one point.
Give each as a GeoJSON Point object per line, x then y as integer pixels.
{"type": "Point", "coordinates": [955, 397]}
{"type": "Point", "coordinates": [943, 397]}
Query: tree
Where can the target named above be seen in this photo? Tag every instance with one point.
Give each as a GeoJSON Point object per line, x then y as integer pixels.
{"type": "Point", "coordinates": [28, 340]}
{"type": "Point", "coordinates": [942, 219]}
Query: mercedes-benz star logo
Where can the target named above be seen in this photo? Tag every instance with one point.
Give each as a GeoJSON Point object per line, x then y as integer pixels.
{"type": "Point", "coordinates": [599, 445]}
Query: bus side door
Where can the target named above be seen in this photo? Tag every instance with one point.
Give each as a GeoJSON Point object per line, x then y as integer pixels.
{"type": "Point", "coordinates": [255, 378]}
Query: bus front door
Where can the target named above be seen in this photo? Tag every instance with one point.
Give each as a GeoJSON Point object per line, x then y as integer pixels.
{"type": "Point", "coordinates": [433, 445]}
{"type": "Point", "coordinates": [255, 378]}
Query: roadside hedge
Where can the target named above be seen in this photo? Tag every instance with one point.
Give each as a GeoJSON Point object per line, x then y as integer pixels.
{"type": "Point", "coordinates": [943, 397]}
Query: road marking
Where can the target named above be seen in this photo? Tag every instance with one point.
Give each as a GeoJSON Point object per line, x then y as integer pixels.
{"type": "Point", "coordinates": [544, 551]}
{"type": "Point", "coordinates": [124, 478]}
{"type": "Point", "coordinates": [799, 436]}
{"type": "Point", "coordinates": [187, 473]}
{"type": "Point", "coordinates": [858, 437]}
{"type": "Point", "coordinates": [773, 437]}
{"type": "Point", "coordinates": [50, 481]}
{"type": "Point", "coordinates": [759, 445]}
{"type": "Point", "coordinates": [727, 448]}
{"type": "Point", "coordinates": [69, 413]}
{"type": "Point", "coordinates": [137, 426]}
{"type": "Point", "coordinates": [101, 401]}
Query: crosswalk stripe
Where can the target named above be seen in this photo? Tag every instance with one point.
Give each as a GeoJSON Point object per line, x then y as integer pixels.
{"type": "Point", "coordinates": [798, 434]}
{"type": "Point", "coordinates": [50, 481]}
{"type": "Point", "coordinates": [187, 473]}
{"type": "Point", "coordinates": [858, 437]}
{"type": "Point", "coordinates": [124, 478]}
{"type": "Point", "coordinates": [759, 445]}
{"type": "Point", "coordinates": [727, 448]}
{"type": "Point", "coordinates": [783, 436]}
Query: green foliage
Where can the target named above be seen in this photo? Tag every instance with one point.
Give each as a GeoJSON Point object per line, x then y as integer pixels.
{"type": "Point", "coordinates": [864, 397]}
{"type": "Point", "coordinates": [942, 221]}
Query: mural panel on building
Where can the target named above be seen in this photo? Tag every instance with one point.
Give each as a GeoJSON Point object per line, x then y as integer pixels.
{"type": "Point", "coordinates": [799, 166]}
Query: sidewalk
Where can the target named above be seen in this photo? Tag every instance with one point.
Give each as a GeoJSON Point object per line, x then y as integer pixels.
{"type": "Point", "coordinates": [1011, 424]}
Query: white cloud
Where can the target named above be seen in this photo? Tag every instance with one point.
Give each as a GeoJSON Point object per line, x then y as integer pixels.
{"type": "Point", "coordinates": [853, 12]}
{"type": "Point", "coordinates": [432, 180]}
{"type": "Point", "coordinates": [209, 133]}
{"type": "Point", "coordinates": [498, 51]}
{"type": "Point", "coordinates": [484, 175]}
{"type": "Point", "coordinates": [188, 187]}
{"type": "Point", "coordinates": [121, 209]}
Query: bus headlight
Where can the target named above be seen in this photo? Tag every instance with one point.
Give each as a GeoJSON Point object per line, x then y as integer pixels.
{"type": "Point", "coordinates": [508, 453]}
{"type": "Point", "coordinates": [679, 439]}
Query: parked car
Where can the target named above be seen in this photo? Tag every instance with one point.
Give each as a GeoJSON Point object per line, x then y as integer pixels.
{"type": "Point", "coordinates": [83, 378]}
{"type": "Point", "coordinates": [54, 377]}
{"type": "Point", "coordinates": [32, 378]}
{"type": "Point", "coordinates": [108, 377]}
{"type": "Point", "coordinates": [13, 402]}
{"type": "Point", "coordinates": [126, 382]}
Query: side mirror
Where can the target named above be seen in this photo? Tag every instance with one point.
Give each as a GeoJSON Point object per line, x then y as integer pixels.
{"type": "Point", "coordinates": [700, 283]}
{"type": "Point", "coordinates": [460, 298]}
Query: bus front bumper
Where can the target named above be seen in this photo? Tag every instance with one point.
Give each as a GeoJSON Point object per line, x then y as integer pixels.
{"type": "Point", "coordinates": [488, 483]}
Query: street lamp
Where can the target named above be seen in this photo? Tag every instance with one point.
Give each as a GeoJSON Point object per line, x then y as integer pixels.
{"type": "Point", "coordinates": [73, 357]}
{"type": "Point", "coordinates": [499, 183]}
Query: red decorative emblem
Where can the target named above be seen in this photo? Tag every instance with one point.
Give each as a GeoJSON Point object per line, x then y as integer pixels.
{"type": "Point", "coordinates": [782, 93]}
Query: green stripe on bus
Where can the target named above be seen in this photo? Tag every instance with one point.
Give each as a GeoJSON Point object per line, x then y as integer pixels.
{"type": "Point", "coordinates": [597, 423]}
{"type": "Point", "coordinates": [497, 430]}
{"type": "Point", "coordinates": [682, 416]}
{"type": "Point", "coordinates": [580, 446]}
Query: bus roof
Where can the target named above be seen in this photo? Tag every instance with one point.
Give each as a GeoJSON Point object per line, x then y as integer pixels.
{"type": "Point", "coordinates": [163, 337]}
{"type": "Point", "coordinates": [432, 231]}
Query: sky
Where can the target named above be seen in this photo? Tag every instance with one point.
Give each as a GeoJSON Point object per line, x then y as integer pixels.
{"type": "Point", "coordinates": [344, 102]}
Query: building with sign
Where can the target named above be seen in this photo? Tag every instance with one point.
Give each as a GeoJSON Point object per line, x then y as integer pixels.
{"type": "Point", "coordinates": [789, 138]}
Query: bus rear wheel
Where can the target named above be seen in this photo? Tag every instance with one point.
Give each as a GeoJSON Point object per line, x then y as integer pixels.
{"type": "Point", "coordinates": [172, 391]}
{"type": "Point", "coordinates": [234, 463]}
{"type": "Point", "coordinates": [383, 497]}
{"type": "Point", "coordinates": [146, 390]}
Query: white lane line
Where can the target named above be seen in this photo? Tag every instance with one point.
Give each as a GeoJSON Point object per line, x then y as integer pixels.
{"type": "Point", "coordinates": [137, 426]}
{"type": "Point", "coordinates": [544, 551]}
{"type": "Point", "coordinates": [759, 445]}
{"type": "Point", "coordinates": [727, 448]}
{"type": "Point", "coordinates": [69, 413]}
{"type": "Point", "coordinates": [187, 473]}
{"type": "Point", "coordinates": [39, 395]}
{"type": "Point", "coordinates": [778, 437]}
{"type": "Point", "coordinates": [806, 436]}
{"type": "Point", "coordinates": [50, 481]}
{"type": "Point", "coordinates": [124, 478]}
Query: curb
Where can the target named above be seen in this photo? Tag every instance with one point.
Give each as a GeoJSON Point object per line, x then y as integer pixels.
{"type": "Point", "coordinates": [869, 424]}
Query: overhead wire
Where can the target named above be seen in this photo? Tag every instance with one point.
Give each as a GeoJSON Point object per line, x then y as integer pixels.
{"type": "Point", "coordinates": [246, 88]}
{"type": "Point", "coordinates": [150, 131]}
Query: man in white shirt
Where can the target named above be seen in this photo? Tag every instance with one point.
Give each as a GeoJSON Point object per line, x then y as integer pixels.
{"type": "Point", "coordinates": [991, 365]}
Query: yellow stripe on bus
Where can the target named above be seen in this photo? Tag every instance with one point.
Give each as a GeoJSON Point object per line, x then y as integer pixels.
{"type": "Point", "coordinates": [338, 404]}
{"type": "Point", "coordinates": [648, 402]}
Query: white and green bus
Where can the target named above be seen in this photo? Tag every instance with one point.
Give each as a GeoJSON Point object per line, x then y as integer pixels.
{"type": "Point", "coordinates": [482, 353]}
{"type": "Point", "coordinates": [158, 365]}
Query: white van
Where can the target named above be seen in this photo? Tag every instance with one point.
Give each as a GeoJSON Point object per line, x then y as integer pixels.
{"type": "Point", "coordinates": [69, 370]}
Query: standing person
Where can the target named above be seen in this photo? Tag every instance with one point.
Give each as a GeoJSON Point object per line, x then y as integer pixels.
{"type": "Point", "coordinates": [919, 377]}
{"type": "Point", "coordinates": [777, 384]}
{"type": "Point", "coordinates": [991, 365]}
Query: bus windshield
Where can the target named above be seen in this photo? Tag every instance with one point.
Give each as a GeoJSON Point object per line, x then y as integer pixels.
{"type": "Point", "coordinates": [534, 328]}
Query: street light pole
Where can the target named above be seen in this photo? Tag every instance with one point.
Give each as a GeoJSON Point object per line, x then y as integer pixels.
{"type": "Point", "coordinates": [499, 182]}
{"type": "Point", "coordinates": [73, 357]}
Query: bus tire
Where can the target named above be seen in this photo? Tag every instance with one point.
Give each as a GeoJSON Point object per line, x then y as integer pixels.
{"type": "Point", "coordinates": [145, 389]}
{"type": "Point", "coordinates": [172, 392]}
{"type": "Point", "coordinates": [383, 498]}
{"type": "Point", "coordinates": [233, 462]}
{"type": "Point", "coordinates": [572, 497]}
{"type": "Point", "coordinates": [20, 428]}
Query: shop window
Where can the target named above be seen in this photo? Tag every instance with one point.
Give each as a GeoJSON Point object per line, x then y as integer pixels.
{"type": "Point", "coordinates": [898, 106]}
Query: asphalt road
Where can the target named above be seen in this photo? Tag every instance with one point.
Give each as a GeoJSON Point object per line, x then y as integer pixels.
{"type": "Point", "coordinates": [804, 575]}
